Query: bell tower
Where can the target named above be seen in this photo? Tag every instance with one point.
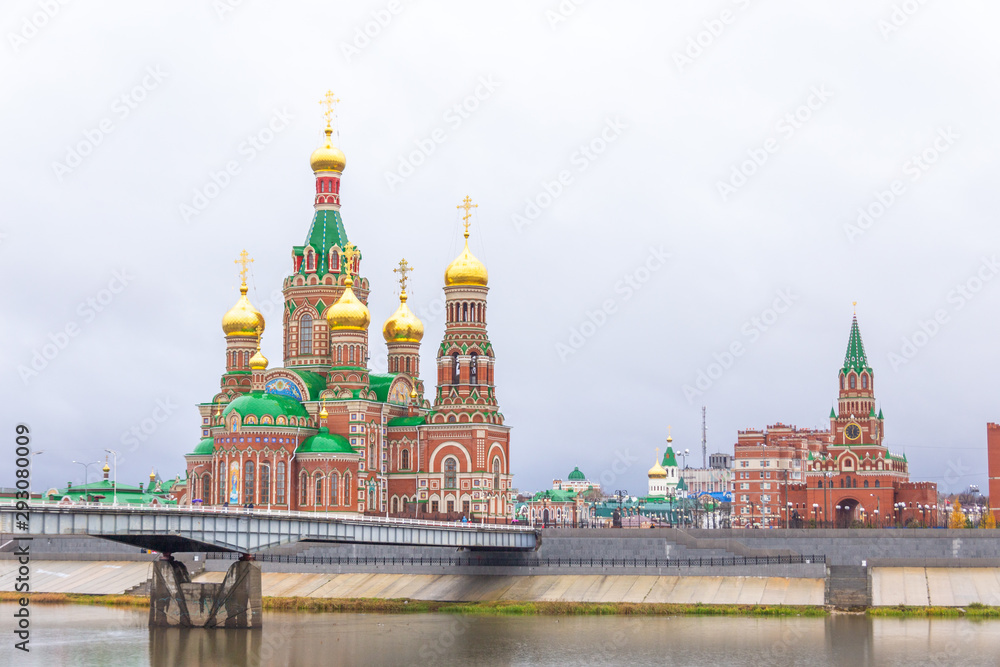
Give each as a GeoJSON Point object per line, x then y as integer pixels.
{"type": "Point", "coordinates": [855, 421]}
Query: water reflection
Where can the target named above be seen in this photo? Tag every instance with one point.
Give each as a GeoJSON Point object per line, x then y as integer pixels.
{"type": "Point", "coordinates": [181, 647]}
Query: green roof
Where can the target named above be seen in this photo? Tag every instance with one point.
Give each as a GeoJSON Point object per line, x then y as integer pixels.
{"type": "Point", "coordinates": [555, 495]}
{"type": "Point", "coordinates": [127, 494]}
{"type": "Point", "coordinates": [326, 231]}
{"type": "Point", "coordinates": [682, 485]}
{"type": "Point", "coordinates": [380, 383]}
{"type": "Point", "coordinates": [406, 421]}
{"type": "Point", "coordinates": [576, 475]}
{"type": "Point", "coordinates": [855, 359]}
{"type": "Point", "coordinates": [669, 460]}
{"type": "Point", "coordinates": [260, 404]}
{"type": "Point", "coordinates": [833, 414]}
{"type": "Point", "coordinates": [314, 382]}
{"type": "Point", "coordinates": [204, 448]}
{"type": "Point", "coordinates": [325, 442]}
{"type": "Point", "coordinates": [880, 413]}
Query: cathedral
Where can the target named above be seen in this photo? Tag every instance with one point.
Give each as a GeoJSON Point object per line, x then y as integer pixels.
{"type": "Point", "coordinates": [323, 432]}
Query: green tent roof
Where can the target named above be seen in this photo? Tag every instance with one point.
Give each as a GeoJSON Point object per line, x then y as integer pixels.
{"type": "Point", "coordinates": [576, 475]}
{"type": "Point", "coordinates": [380, 383]}
{"type": "Point", "coordinates": [555, 495]}
{"type": "Point", "coordinates": [260, 404]}
{"type": "Point", "coordinates": [833, 413]}
{"type": "Point", "coordinates": [669, 459]}
{"type": "Point", "coordinates": [682, 485]}
{"type": "Point", "coordinates": [325, 442]}
{"type": "Point", "coordinates": [326, 231]}
{"type": "Point", "coordinates": [204, 448]}
{"type": "Point", "coordinates": [314, 382]}
{"type": "Point", "coordinates": [855, 359]}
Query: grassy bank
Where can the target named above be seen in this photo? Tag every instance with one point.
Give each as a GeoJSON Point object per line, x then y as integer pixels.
{"type": "Point", "coordinates": [404, 606]}
{"type": "Point", "coordinates": [974, 610]}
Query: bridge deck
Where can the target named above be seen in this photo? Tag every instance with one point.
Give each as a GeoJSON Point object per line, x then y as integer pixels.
{"type": "Point", "coordinates": [177, 529]}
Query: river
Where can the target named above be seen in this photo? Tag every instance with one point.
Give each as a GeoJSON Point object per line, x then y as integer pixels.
{"type": "Point", "coordinates": [65, 635]}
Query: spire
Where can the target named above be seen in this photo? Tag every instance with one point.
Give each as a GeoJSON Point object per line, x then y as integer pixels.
{"type": "Point", "coordinates": [466, 269]}
{"type": "Point", "coordinates": [855, 358]}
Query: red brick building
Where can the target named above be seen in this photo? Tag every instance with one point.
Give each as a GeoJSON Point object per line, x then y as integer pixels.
{"type": "Point", "coordinates": [326, 433]}
{"type": "Point", "coordinates": [785, 476]}
{"type": "Point", "coordinates": [993, 462]}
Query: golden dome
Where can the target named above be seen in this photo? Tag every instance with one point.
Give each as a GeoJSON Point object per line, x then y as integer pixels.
{"type": "Point", "coordinates": [323, 414]}
{"type": "Point", "coordinates": [106, 468]}
{"type": "Point", "coordinates": [152, 473]}
{"type": "Point", "coordinates": [242, 319]}
{"type": "Point", "coordinates": [348, 312]}
{"type": "Point", "coordinates": [466, 269]}
{"type": "Point", "coordinates": [657, 471]}
{"type": "Point", "coordinates": [413, 394]}
{"type": "Point", "coordinates": [258, 362]}
{"type": "Point", "coordinates": [403, 326]}
{"type": "Point", "coordinates": [328, 157]}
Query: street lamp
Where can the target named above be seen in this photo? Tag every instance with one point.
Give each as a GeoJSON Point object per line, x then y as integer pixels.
{"type": "Point", "coordinates": [816, 513]}
{"type": "Point", "coordinates": [31, 469]}
{"type": "Point", "coordinates": [837, 515]}
{"type": "Point", "coordinates": [114, 479]}
{"type": "Point", "coordinates": [788, 515]}
{"type": "Point", "coordinates": [86, 470]}
{"type": "Point", "coordinates": [685, 455]}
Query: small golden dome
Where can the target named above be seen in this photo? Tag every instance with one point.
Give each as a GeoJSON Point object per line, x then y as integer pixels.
{"type": "Point", "coordinates": [657, 471]}
{"type": "Point", "coordinates": [348, 312]}
{"type": "Point", "coordinates": [466, 269]}
{"type": "Point", "coordinates": [328, 157]}
{"type": "Point", "coordinates": [152, 473]}
{"type": "Point", "coordinates": [413, 394]}
{"type": "Point", "coordinates": [242, 319]}
{"type": "Point", "coordinates": [323, 414]}
{"type": "Point", "coordinates": [258, 362]}
{"type": "Point", "coordinates": [403, 326]}
{"type": "Point", "coordinates": [106, 468]}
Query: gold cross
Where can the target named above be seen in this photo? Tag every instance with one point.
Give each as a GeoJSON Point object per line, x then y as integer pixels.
{"type": "Point", "coordinates": [328, 102]}
{"type": "Point", "coordinates": [347, 256]}
{"type": "Point", "coordinates": [260, 330]}
{"type": "Point", "coordinates": [467, 205]}
{"type": "Point", "coordinates": [245, 260]}
{"type": "Point", "coordinates": [403, 269]}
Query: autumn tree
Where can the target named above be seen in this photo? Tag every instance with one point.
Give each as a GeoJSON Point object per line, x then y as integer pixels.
{"type": "Point", "coordinates": [988, 521]}
{"type": "Point", "coordinates": [957, 516]}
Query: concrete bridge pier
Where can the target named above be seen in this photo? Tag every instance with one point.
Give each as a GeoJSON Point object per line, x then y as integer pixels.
{"type": "Point", "coordinates": [175, 601]}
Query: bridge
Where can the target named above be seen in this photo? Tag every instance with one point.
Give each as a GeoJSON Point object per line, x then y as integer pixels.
{"type": "Point", "coordinates": [182, 529]}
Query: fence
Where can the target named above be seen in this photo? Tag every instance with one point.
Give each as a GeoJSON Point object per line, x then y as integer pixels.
{"type": "Point", "coordinates": [501, 561]}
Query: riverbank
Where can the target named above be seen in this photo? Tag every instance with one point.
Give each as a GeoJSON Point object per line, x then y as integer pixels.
{"type": "Point", "coordinates": [402, 605]}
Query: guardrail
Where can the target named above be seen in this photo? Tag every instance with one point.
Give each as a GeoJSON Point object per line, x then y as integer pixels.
{"type": "Point", "coordinates": [270, 513]}
{"type": "Point", "coordinates": [496, 561]}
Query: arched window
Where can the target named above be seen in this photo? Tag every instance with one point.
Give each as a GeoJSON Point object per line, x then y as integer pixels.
{"type": "Point", "coordinates": [848, 483]}
{"type": "Point", "coordinates": [820, 484]}
{"type": "Point", "coordinates": [496, 473]}
{"type": "Point", "coordinates": [866, 483]}
{"type": "Point", "coordinates": [222, 483]}
{"type": "Point", "coordinates": [465, 312]}
{"type": "Point", "coordinates": [319, 490]}
{"type": "Point", "coordinates": [864, 381]}
{"type": "Point", "coordinates": [479, 313]}
{"type": "Point", "coordinates": [279, 486]}
{"type": "Point", "coordinates": [248, 482]}
{"type": "Point", "coordinates": [455, 369]}
{"type": "Point", "coordinates": [348, 491]}
{"type": "Point", "coordinates": [854, 381]}
{"type": "Point", "coordinates": [265, 485]}
{"type": "Point", "coordinates": [395, 505]}
{"type": "Point", "coordinates": [206, 488]}
{"type": "Point", "coordinates": [334, 491]}
{"type": "Point", "coordinates": [474, 369]}
{"type": "Point", "coordinates": [450, 476]}
{"type": "Point", "coordinates": [408, 365]}
{"type": "Point", "coordinates": [404, 460]}
{"type": "Point", "coordinates": [877, 484]}
{"type": "Point", "coordinates": [350, 354]}
{"type": "Point", "coordinates": [334, 260]}
{"type": "Point", "coordinates": [310, 260]}
{"type": "Point", "coordinates": [841, 381]}
{"type": "Point", "coordinates": [340, 354]}
{"type": "Point", "coordinates": [303, 490]}
{"type": "Point", "coordinates": [306, 334]}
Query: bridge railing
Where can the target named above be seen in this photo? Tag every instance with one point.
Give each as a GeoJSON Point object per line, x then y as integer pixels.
{"type": "Point", "coordinates": [269, 513]}
{"type": "Point", "coordinates": [530, 561]}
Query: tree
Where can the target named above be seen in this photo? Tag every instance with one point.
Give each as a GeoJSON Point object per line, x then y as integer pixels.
{"type": "Point", "coordinates": [957, 516]}
{"type": "Point", "coordinates": [989, 521]}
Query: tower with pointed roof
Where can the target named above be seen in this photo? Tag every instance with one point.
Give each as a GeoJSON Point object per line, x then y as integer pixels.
{"type": "Point", "coordinates": [856, 420]}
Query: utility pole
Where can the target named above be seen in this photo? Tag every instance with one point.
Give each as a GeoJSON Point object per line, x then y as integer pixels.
{"type": "Point", "coordinates": [704, 439]}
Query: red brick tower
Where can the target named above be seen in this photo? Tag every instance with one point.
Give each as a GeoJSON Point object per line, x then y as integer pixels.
{"type": "Point", "coordinates": [993, 454]}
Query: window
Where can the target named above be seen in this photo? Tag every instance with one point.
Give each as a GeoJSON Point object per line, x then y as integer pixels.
{"type": "Point", "coordinates": [434, 506]}
{"type": "Point", "coordinates": [319, 490]}
{"type": "Point", "coordinates": [306, 334]}
{"type": "Point", "coordinates": [222, 483]}
{"type": "Point", "coordinates": [455, 369]}
{"type": "Point", "coordinates": [876, 484]}
{"type": "Point", "coordinates": [465, 312]}
{"type": "Point", "coordinates": [765, 485]}
{"type": "Point", "coordinates": [474, 369]}
{"type": "Point", "coordinates": [854, 382]}
{"type": "Point", "coordinates": [280, 484]}
{"type": "Point", "coordinates": [451, 505]}
{"type": "Point", "coordinates": [744, 486]}
{"type": "Point", "coordinates": [864, 381]}
{"type": "Point", "coordinates": [206, 488]}
{"type": "Point", "coordinates": [303, 490]}
{"type": "Point", "coordinates": [766, 498]}
{"type": "Point", "coordinates": [265, 485]}
{"type": "Point", "coordinates": [334, 495]}
{"type": "Point", "coordinates": [404, 460]}
{"type": "Point", "coordinates": [310, 260]}
{"type": "Point", "coordinates": [450, 466]}
{"type": "Point", "coordinates": [248, 482]}
{"type": "Point", "coordinates": [496, 473]}
{"type": "Point", "coordinates": [347, 488]}
{"type": "Point", "coordinates": [465, 507]}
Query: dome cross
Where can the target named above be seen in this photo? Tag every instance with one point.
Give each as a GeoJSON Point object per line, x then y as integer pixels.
{"type": "Point", "coordinates": [404, 268]}
{"type": "Point", "coordinates": [328, 103]}
{"type": "Point", "coordinates": [347, 256]}
{"type": "Point", "coordinates": [468, 206]}
{"type": "Point", "coordinates": [245, 260]}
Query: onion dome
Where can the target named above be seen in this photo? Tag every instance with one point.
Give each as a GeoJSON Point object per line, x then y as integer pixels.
{"type": "Point", "coordinates": [466, 269]}
{"type": "Point", "coordinates": [413, 394]}
{"type": "Point", "coordinates": [258, 362]}
{"type": "Point", "coordinates": [106, 468]}
{"type": "Point", "coordinates": [152, 474]}
{"type": "Point", "coordinates": [328, 157]}
{"type": "Point", "coordinates": [242, 319]}
{"type": "Point", "coordinates": [403, 326]}
{"type": "Point", "coordinates": [576, 475]}
{"type": "Point", "coordinates": [348, 312]}
{"type": "Point", "coordinates": [657, 471]}
{"type": "Point", "coordinates": [323, 414]}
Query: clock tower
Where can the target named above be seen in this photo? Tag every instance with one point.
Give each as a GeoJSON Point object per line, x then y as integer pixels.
{"type": "Point", "coordinates": [855, 421]}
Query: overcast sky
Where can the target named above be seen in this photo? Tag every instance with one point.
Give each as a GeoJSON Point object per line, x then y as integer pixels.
{"type": "Point", "coordinates": [660, 186]}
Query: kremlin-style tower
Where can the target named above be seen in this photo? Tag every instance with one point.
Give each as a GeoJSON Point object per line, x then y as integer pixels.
{"type": "Point", "coordinates": [324, 432]}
